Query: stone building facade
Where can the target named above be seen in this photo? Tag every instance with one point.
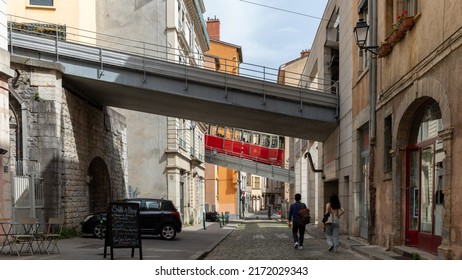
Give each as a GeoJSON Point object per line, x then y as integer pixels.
{"type": "Point", "coordinates": [417, 107]}
{"type": "Point", "coordinates": [407, 162]}
{"type": "Point", "coordinates": [393, 157]}
{"type": "Point", "coordinates": [77, 151]}
{"type": "Point", "coordinates": [166, 158]}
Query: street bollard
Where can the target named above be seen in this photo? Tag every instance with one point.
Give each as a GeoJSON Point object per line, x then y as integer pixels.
{"type": "Point", "coordinates": [219, 220]}
{"type": "Point", "coordinates": [101, 226]}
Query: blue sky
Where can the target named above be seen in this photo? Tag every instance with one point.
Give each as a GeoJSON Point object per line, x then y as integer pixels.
{"type": "Point", "coordinates": [268, 37]}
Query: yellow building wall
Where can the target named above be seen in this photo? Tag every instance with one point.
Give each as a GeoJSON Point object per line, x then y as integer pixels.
{"type": "Point", "coordinates": [227, 190]}
{"type": "Point", "coordinates": [78, 15]}
{"type": "Point", "coordinates": [229, 59]}
{"type": "Point", "coordinates": [228, 56]}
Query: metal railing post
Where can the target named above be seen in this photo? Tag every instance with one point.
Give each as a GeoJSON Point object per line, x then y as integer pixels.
{"type": "Point", "coordinates": [301, 102]}
{"type": "Point", "coordinates": [56, 42]}
{"type": "Point", "coordinates": [144, 63]}
{"type": "Point", "coordinates": [11, 37]}
{"type": "Point", "coordinates": [101, 70]}
{"type": "Point", "coordinates": [264, 82]}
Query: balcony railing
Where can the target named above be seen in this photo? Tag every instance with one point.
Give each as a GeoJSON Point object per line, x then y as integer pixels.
{"type": "Point", "coordinates": [148, 50]}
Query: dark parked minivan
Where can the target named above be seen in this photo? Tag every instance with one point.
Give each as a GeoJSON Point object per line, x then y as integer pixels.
{"type": "Point", "coordinates": [157, 217]}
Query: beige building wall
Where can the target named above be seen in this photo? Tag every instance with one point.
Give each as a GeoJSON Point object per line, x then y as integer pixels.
{"type": "Point", "coordinates": [329, 68]}
{"type": "Point", "coordinates": [5, 74]}
{"type": "Point", "coordinates": [424, 66]}
{"type": "Point", "coordinates": [81, 20]}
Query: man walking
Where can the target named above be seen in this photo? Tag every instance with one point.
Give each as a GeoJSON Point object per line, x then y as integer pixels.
{"type": "Point", "coordinates": [298, 230]}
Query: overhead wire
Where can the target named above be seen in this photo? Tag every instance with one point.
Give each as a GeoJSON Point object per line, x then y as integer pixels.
{"type": "Point", "coordinates": [283, 10]}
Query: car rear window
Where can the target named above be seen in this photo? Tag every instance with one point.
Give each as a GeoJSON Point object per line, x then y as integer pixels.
{"type": "Point", "coordinates": [167, 205]}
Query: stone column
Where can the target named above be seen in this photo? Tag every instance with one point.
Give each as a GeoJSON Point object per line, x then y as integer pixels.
{"type": "Point", "coordinates": [396, 236]}
{"type": "Point", "coordinates": [444, 251]}
{"type": "Point", "coordinates": [5, 176]}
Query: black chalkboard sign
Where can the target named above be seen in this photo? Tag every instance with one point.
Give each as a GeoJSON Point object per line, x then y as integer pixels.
{"type": "Point", "coordinates": [123, 227]}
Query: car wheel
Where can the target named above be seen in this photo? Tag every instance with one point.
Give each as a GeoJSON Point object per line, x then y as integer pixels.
{"type": "Point", "coordinates": [167, 232]}
{"type": "Point", "coordinates": [99, 230]}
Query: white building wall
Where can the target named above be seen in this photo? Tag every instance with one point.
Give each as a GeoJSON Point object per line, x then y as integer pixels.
{"type": "Point", "coordinates": [3, 27]}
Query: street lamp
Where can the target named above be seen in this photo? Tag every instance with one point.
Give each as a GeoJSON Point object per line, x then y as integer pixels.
{"type": "Point", "coordinates": [361, 30]}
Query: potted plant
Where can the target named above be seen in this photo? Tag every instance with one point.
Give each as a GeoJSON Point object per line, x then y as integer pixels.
{"type": "Point", "coordinates": [384, 49]}
{"type": "Point", "coordinates": [405, 22]}
{"type": "Point", "coordinates": [395, 35]}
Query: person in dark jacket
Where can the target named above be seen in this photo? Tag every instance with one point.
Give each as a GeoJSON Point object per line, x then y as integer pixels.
{"type": "Point", "coordinates": [298, 230]}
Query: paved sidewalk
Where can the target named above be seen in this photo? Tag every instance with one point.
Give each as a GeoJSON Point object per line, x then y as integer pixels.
{"type": "Point", "coordinates": [192, 243]}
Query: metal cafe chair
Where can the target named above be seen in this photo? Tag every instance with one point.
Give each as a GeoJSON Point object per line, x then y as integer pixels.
{"type": "Point", "coordinates": [23, 234]}
{"type": "Point", "coordinates": [5, 231]}
{"type": "Point", "coordinates": [52, 236]}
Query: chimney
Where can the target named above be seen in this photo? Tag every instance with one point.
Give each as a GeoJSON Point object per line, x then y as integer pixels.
{"type": "Point", "coordinates": [213, 28]}
{"type": "Point", "coordinates": [304, 53]}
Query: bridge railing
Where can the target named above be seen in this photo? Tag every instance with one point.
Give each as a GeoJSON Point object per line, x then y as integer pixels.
{"type": "Point", "coordinates": [147, 50]}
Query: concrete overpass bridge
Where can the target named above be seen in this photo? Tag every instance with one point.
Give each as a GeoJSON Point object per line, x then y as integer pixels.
{"type": "Point", "coordinates": [137, 81]}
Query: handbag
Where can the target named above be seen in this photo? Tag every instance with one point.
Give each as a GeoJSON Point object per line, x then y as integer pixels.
{"type": "Point", "coordinates": [329, 219]}
{"type": "Point", "coordinates": [325, 218]}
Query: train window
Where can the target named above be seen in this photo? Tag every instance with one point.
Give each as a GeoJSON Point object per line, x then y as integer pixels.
{"type": "Point", "coordinates": [265, 140]}
{"type": "Point", "coordinates": [220, 131]}
{"type": "Point", "coordinates": [255, 138]}
{"type": "Point", "coordinates": [237, 135]}
{"type": "Point", "coordinates": [281, 142]}
{"type": "Point", "coordinates": [246, 136]}
{"type": "Point", "coordinates": [229, 133]}
{"type": "Point", "coordinates": [274, 142]}
{"type": "Point", "coordinates": [213, 130]}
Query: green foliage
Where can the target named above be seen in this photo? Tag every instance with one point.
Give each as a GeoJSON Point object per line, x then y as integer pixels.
{"type": "Point", "coordinates": [69, 233]}
{"type": "Point", "coordinates": [43, 30]}
{"type": "Point", "coordinates": [415, 256]}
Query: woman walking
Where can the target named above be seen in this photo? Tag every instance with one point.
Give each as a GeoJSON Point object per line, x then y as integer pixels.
{"type": "Point", "coordinates": [335, 210]}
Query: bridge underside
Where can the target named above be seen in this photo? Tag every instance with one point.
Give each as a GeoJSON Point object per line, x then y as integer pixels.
{"type": "Point", "coordinates": [198, 109]}
{"type": "Point", "coordinates": [111, 78]}
{"type": "Point", "coordinates": [249, 166]}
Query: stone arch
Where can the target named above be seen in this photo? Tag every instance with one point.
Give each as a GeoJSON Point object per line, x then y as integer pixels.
{"type": "Point", "coordinates": [100, 188]}
{"type": "Point", "coordinates": [423, 91]}
{"type": "Point", "coordinates": [16, 104]}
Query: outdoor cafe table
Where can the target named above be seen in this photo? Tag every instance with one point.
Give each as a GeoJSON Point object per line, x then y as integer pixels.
{"type": "Point", "coordinates": [6, 227]}
{"type": "Point", "coordinates": [24, 233]}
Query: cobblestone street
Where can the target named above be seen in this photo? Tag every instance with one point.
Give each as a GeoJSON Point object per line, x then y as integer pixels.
{"type": "Point", "coordinates": [272, 240]}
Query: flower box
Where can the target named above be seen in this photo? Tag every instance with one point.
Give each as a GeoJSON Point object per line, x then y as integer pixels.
{"type": "Point", "coordinates": [395, 36]}
{"type": "Point", "coordinates": [405, 24]}
{"type": "Point", "coordinates": [384, 49]}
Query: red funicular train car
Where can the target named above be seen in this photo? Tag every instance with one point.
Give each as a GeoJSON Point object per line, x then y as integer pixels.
{"type": "Point", "coordinates": [252, 145]}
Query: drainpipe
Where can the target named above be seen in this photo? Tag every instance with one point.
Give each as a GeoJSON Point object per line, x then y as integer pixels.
{"type": "Point", "coordinates": [372, 121]}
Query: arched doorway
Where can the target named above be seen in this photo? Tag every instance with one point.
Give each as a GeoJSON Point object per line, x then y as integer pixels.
{"type": "Point", "coordinates": [99, 185]}
{"type": "Point", "coordinates": [424, 177]}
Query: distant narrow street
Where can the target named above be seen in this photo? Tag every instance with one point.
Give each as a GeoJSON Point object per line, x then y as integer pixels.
{"type": "Point", "coordinates": [263, 239]}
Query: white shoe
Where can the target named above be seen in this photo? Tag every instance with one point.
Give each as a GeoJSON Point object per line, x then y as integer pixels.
{"type": "Point", "coordinates": [296, 245]}
{"type": "Point", "coordinates": [300, 247]}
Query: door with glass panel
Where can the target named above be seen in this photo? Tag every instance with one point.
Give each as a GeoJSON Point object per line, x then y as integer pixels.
{"type": "Point", "coordinates": [425, 196]}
